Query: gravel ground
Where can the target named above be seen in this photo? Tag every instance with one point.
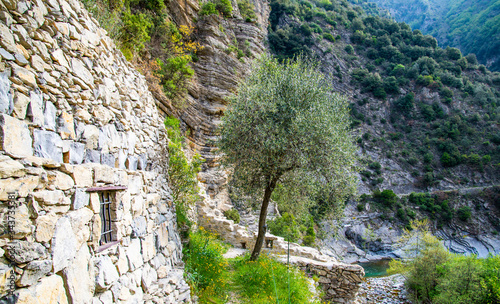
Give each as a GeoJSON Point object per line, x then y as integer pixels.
{"type": "Point", "coordinates": [385, 290]}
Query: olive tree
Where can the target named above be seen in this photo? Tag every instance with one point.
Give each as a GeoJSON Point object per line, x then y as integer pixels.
{"type": "Point", "coordinates": [286, 126]}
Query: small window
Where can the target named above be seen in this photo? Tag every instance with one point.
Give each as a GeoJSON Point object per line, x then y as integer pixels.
{"type": "Point", "coordinates": [106, 220]}
{"type": "Point", "coordinates": [107, 212]}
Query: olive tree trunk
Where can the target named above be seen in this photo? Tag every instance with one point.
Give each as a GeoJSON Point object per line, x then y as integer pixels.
{"type": "Point", "coordinates": [262, 220]}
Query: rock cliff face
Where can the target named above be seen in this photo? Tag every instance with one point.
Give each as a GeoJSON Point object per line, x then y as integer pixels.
{"type": "Point", "coordinates": [85, 208]}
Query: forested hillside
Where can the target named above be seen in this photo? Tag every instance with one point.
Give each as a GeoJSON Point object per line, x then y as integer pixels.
{"type": "Point", "coordinates": [471, 26]}
{"type": "Point", "coordinates": [425, 114]}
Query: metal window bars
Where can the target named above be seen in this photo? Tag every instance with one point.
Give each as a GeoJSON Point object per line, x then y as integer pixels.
{"type": "Point", "coordinates": [105, 199]}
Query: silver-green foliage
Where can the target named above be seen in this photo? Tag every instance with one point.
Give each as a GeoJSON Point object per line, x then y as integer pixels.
{"type": "Point", "coordinates": [286, 126]}
{"type": "Point", "coordinates": [285, 120]}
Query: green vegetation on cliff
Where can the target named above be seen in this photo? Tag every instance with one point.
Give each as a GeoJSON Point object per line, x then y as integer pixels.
{"type": "Point", "coordinates": [432, 110]}
{"type": "Point", "coordinates": [471, 26]}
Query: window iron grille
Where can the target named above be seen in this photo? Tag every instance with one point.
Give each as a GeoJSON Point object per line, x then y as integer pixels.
{"type": "Point", "coordinates": [105, 199]}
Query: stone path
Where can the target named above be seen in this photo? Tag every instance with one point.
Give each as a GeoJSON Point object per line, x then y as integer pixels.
{"type": "Point", "coordinates": [234, 252]}
{"type": "Point", "coordinates": [385, 290]}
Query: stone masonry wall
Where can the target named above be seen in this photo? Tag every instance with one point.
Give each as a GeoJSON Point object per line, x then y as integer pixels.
{"type": "Point", "coordinates": [75, 115]}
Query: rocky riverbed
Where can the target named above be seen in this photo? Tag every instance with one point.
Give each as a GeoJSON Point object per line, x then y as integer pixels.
{"type": "Point", "coordinates": [384, 290]}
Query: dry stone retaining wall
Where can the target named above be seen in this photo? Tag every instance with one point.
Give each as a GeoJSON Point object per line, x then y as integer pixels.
{"type": "Point", "coordinates": [75, 115]}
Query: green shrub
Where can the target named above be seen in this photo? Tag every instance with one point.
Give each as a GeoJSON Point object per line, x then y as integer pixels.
{"type": "Point", "coordinates": [174, 75]}
{"type": "Point", "coordinates": [360, 207]}
{"type": "Point", "coordinates": [310, 236]}
{"type": "Point", "coordinates": [182, 173]}
{"type": "Point", "coordinates": [208, 8]}
{"type": "Point", "coordinates": [134, 33]}
{"type": "Point", "coordinates": [464, 213]}
{"type": "Point", "coordinates": [247, 10]}
{"type": "Point", "coordinates": [349, 49]}
{"type": "Point", "coordinates": [225, 7]}
{"type": "Point", "coordinates": [387, 198]}
{"type": "Point", "coordinates": [285, 226]}
{"type": "Point", "coordinates": [266, 281]}
{"type": "Point", "coordinates": [205, 265]}
{"type": "Point", "coordinates": [329, 37]}
{"type": "Point", "coordinates": [232, 214]}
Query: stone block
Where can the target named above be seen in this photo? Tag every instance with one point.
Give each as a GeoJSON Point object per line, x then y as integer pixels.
{"type": "Point", "coordinates": [49, 290]}
{"type": "Point", "coordinates": [104, 174]}
{"type": "Point", "coordinates": [79, 277]}
{"type": "Point", "coordinates": [134, 255]}
{"type": "Point", "coordinates": [21, 217]}
{"type": "Point", "coordinates": [64, 244]}
{"type": "Point", "coordinates": [163, 235]}
{"type": "Point", "coordinates": [80, 220]}
{"type": "Point", "coordinates": [34, 271]}
{"type": "Point", "coordinates": [94, 202]}
{"type": "Point", "coordinates": [15, 136]}
{"type": "Point", "coordinates": [25, 75]}
{"type": "Point", "coordinates": [142, 161]}
{"type": "Point", "coordinates": [148, 247]}
{"type": "Point", "coordinates": [61, 180]}
{"type": "Point", "coordinates": [66, 126]}
{"type": "Point", "coordinates": [49, 116]}
{"type": "Point", "coordinates": [102, 114]}
{"type": "Point", "coordinates": [122, 263]}
{"type": "Point", "coordinates": [81, 72]}
{"type": "Point", "coordinates": [95, 231]}
{"type": "Point", "coordinates": [22, 252]}
{"type": "Point", "coordinates": [106, 273]}
{"type": "Point", "coordinates": [131, 163]}
{"type": "Point", "coordinates": [48, 144]}
{"type": "Point", "coordinates": [59, 57]}
{"type": "Point", "coordinates": [149, 276]}
{"type": "Point", "coordinates": [120, 161]}
{"type": "Point", "coordinates": [83, 176]}
{"type": "Point", "coordinates": [36, 109]}
{"type": "Point", "coordinates": [21, 103]}
{"type": "Point", "coordinates": [75, 154]}
{"type": "Point", "coordinates": [45, 227]}
{"type": "Point", "coordinates": [11, 168]}
{"type": "Point", "coordinates": [91, 137]}
{"type": "Point", "coordinates": [7, 40]}
{"type": "Point", "coordinates": [6, 103]}
{"type": "Point", "coordinates": [108, 160]}
{"type": "Point", "coordinates": [139, 226]}
{"type": "Point", "coordinates": [81, 199]}
{"type": "Point", "coordinates": [24, 186]}
{"type": "Point", "coordinates": [92, 156]}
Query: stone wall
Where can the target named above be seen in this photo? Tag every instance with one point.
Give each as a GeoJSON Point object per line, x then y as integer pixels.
{"type": "Point", "coordinates": [339, 281]}
{"type": "Point", "coordinates": [75, 115]}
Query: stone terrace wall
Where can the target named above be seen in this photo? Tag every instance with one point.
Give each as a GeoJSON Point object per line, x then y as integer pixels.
{"type": "Point", "coordinates": [74, 115]}
{"type": "Point", "coordinates": [340, 281]}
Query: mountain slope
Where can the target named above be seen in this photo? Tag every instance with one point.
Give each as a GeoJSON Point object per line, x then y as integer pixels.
{"type": "Point", "coordinates": [427, 116]}
{"type": "Point", "coordinates": [471, 26]}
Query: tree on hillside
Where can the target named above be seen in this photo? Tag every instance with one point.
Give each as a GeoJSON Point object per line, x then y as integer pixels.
{"type": "Point", "coordinates": [286, 127]}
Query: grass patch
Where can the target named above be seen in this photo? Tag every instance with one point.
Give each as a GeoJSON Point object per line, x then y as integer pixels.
{"type": "Point", "coordinates": [266, 281]}
{"type": "Point", "coordinates": [216, 279]}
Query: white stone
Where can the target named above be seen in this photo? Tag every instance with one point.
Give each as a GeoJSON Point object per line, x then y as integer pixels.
{"type": "Point", "coordinates": [11, 168]}
{"type": "Point", "coordinates": [148, 247]}
{"type": "Point", "coordinates": [106, 273]}
{"type": "Point", "coordinates": [45, 227]}
{"type": "Point", "coordinates": [83, 176]}
{"type": "Point", "coordinates": [23, 186]}
{"type": "Point", "coordinates": [15, 136]}
{"type": "Point", "coordinates": [64, 244]}
{"type": "Point", "coordinates": [134, 254]}
{"type": "Point", "coordinates": [79, 277]}
{"type": "Point", "coordinates": [48, 197]}
{"type": "Point", "coordinates": [48, 291]}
